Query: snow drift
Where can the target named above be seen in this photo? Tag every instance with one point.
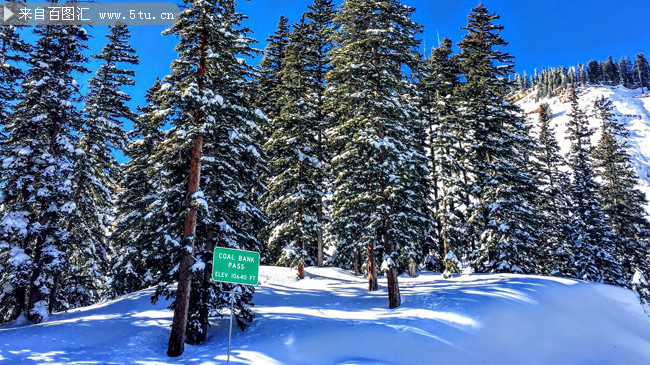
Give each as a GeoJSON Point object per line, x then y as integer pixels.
{"type": "Point", "coordinates": [330, 318]}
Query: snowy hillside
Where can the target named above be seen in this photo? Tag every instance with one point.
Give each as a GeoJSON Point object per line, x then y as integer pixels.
{"type": "Point", "coordinates": [631, 107]}
{"type": "Point", "coordinates": [329, 318]}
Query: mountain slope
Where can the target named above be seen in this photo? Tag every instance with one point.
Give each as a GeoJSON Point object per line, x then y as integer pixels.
{"type": "Point", "coordinates": [631, 108]}
{"type": "Point", "coordinates": [330, 318]}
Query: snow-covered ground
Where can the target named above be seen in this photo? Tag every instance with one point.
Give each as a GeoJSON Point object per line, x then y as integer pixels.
{"type": "Point", "coordinates": [330, 318]}
{"type": "Point", "coordinates": [632, 108]}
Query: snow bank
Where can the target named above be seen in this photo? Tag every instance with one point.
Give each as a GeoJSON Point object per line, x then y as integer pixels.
{"type": "Point", "coordinates": [330, 318]}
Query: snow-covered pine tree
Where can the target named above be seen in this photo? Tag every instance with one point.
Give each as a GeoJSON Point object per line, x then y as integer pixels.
{"type": "Point", "coordinates": [594, 73]}
{"type": "Point", "coordinates": [297, 166]}
{"type": "Point", "coordinates": [582, 74]}
{"type": "Point", "coordinates": [502, 212]}
{"type": "Point", "coordinates": [136, 262]}
{"type": "Point", "coordinates": [265, 98]}
{"type": "Point", "coordinates": [321, 16]}
{"type": "Point", "coordinates": [591, 235]}
{"type": "Point", "coordinates": [553, 204]}
{"type": "Point", "coordinates": [96, 170]}
{"type": "Point", "coordinates": [374, 203]}
{"type": "Point", "coordinates": [269, 77]}
{"type": "Point", "coordinates": [611, 73]}
{"type": "Point", "coordinates": [619, 197]}
{"type": "Point", "coordinates": [211, 139]}
{"type": "Point", "coordinates": [438, 85]}
{"type": "Point", "coordinates": [37, 172]}
{"type": "Point", "coordinates": [14, 50]}
{"type": "Point", "coordinates": [626, 73]}
{"type": "Point", "coordinates": [641, 72]}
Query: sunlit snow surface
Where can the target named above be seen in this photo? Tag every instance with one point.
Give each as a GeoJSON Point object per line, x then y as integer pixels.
{"type": "Point", "coordinates": [330, 318]}
{"type": "Point", "coordinates": [631, 108]}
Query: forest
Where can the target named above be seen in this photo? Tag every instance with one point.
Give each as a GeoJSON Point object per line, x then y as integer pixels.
{"type": "Point", "coordinates": [346, 146]}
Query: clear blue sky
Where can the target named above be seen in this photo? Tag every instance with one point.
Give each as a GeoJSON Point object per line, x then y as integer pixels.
{"type": "Point", "coordinates": [541, 33]}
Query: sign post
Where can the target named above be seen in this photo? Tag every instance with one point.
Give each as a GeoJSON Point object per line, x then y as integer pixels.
{"type": "Point", "coordinates": [236, 267]}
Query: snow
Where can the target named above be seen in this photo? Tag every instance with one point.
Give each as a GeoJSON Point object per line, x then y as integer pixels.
{"type": "Point", "coordinates": [330, 318]}
{"type": "Point", "coordinates": [15, 222]}
{"type": "Point", "coordinates": [630, 108]}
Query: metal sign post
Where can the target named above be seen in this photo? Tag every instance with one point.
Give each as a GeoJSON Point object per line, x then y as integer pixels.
{"type": "Point", "coordinates": [236, 267]}
{"type": "Point", "coordinates": [232, 310]}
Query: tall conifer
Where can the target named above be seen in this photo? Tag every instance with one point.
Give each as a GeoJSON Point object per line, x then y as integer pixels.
{"type": "Point", "coordinates": [374, 194]}
{"type": "Point", "coordinates": [591, 234]}
{"type": "Point", "coordinates": [502, 221]}
{"type": "Point", "coordinates": [37, 179]}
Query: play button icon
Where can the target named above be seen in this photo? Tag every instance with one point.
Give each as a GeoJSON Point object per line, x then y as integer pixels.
{"type": "Point", "coordinates": [7, 14]}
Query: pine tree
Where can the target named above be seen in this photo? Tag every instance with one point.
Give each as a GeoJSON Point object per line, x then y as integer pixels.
{"type": "Point", "coordinates": [503, 190]}
{"type": "Point", "coordinates": [591, 234]}
{"type": "Point", "coordinates": [14, 50]}
{"type": "Point", "coordinates": [297, 144]}
{"type": "Point", "coordinates": [96, 170]}
{"type": "Point", "coordinates": [627, 79]}
{"type": "Point", "coordinates": [553, 204]}
{"type": "Point", "coordinates": [611, 72]}
{"type": "Point", "coordinates": [376, 200]}
{"type": "Point", "coordinates": [37, 172]}
{"type": "Point", "coordinates": [582, 74]}
{"type": "Point", "coordinates": [594, 72]}
{"type": "Point", "coordinates": [321, 15]}
{"type": "Point", "coordinates": [621, 201]}
{"type": "Point", "coordinates": [269, 77]}
{"type": "Point", "coordinates": [209, 166]}
{"type": "Point", "coordinates": [438, 84]}
{"type": "Point", "coordinates": [136, 263]}
{"type": "Point", "coordinates": [641, 71]}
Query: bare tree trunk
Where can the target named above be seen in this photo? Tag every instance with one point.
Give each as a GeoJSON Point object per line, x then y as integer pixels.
{"type": "Point", "coordinates": [320, 234]}
{"type": "Point", "coordinates": [394, 299]}
{"type": "Point", "coordinates": [413, 267]}
{"type": "Point", "coordinates": [176, 344]}
{"type": "Point", "coordinates": [372, 268]}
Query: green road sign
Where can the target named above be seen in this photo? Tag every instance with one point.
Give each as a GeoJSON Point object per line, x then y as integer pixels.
{"type": "Point", "coordinates": [235, 266]}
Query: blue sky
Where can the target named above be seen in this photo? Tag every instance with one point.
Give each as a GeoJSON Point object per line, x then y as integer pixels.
{"type": "Point", "coordinates": [541, 33]}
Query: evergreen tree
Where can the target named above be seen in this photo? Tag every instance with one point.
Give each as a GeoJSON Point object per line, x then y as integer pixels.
{"type": "Point", "coordinates": [297, 144]}
{"type": "Point", "coordinates": [269, 77]}
{"type": "Point", "coordinates": [611, 73]}
{"type": "Point", "coordinates": [503, 190]}
{"type": "Point", "coordinates": [136, 263]}
{"type": "Point", "coordinates": [377, 201]}
{"type": "Point", "coordinates": [96, 170]}
{"type": "Point", "coordinates": [621, 201]}
{"type": "Point", "coordinates": [37, 172]}
{"type": "Point", "coordinates": [209, 165]}
{"type": "Point", "coordinates": [553, 204]}
{"type": "Point", "coordinates": [627, 79]}
{"type": "Point", "coordinates": [582, 74]}
{"type": "Point", "coordinates": [641, 71]}
{"type": "Point", "coordinates": [594, 72]}
{"type": "Point", "coordinates": [321, 15]}
{"type": "Point", "coordinates": [14, 50]}
{"type": "Point", "coordinates": [438, 84]}
{"type": "Point", "coordinates": [591, 235]}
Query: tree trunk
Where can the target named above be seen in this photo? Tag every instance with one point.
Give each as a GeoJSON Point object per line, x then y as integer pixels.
{"type": "Point", "coordinates": [372, 268]}
{"type": "Point", "coordinates": [394, 299]}
{"type": "Point", "coordinates": [301, 271]}
{"type": "Point", "coordinates": [176, 344]}
{"type": "Point", "coordinates": [320, 234]}
{"type": "Point", "coordinates": [356, 263]}
{"type": "Point", "coordinates": [413, 267]}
